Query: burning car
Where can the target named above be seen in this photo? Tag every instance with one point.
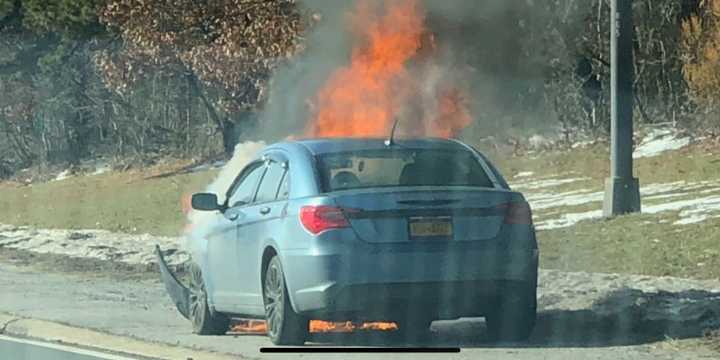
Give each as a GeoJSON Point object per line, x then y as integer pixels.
{"type": "Point", "coordinates": [408, 231]}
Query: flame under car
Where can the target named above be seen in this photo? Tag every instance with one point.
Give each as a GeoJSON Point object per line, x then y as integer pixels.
{"type": "Point", "coordinates": [361, 230]}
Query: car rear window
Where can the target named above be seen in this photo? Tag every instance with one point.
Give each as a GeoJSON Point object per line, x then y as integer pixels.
{"type": "Point", "coordinates": [401, 167]}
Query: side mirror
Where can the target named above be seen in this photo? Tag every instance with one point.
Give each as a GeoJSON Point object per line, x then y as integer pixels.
{"type": "Point", "coordinates": [205, 202]}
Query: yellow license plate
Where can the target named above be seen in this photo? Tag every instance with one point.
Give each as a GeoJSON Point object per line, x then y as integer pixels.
{"type": "Point", "coordinates": [430, 227]}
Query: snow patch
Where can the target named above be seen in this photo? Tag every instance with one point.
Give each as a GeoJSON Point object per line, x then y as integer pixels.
{"type": "Point", "coordinates": [567, 220]}
{"type": "Point", "coordinates": [704, 203]}
{"type": "Point", "coordinates": [96, 244]}
{"type": "Point", "coordinates": [541, 201]}
{"type": "Point", "coordinates": [101, 170]}
{"type": "Point", "coordinates": [63, 175]}
{"type": "Point", "coordinates": [659, 141]}
{"type": "Point", "coordinates": [547, 183]}
{"type": "Point", "coordinates": [524, 174]}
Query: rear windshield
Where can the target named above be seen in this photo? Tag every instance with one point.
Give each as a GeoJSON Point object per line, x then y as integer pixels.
{"type": "Point", "coordinates": [401, 167]}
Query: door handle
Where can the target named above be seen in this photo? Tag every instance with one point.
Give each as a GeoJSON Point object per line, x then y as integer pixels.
{"type": "Point", "coordinates": [265, 210]}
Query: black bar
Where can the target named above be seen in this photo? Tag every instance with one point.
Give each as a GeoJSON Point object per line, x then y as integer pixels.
{"type": "Point", "coordinates": [320, 349]}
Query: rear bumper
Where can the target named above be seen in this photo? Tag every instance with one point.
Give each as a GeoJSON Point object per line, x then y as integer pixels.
{"type": "Point", "coordinates": [450, 283]}
{"type": "Point", "coordinates": [437, 300]}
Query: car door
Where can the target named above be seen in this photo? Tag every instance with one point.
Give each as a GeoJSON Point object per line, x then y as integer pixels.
{"type": "Point", "coordinates": [255, 230]}
{"type": "Point", "coordinates": [223, 264]}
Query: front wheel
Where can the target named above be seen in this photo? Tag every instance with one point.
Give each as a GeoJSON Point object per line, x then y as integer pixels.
{"type": "Point", "coordinates": [513, 316]}
{"type": "Point", "coordinates": [285, 327]}
{"type": "Point", "coordinates": [203, 321]}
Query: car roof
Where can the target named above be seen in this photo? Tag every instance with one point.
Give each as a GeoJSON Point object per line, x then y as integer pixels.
{"type": "Point", "coordinates": [331, 145]}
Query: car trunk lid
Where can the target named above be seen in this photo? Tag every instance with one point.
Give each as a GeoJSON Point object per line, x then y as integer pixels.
{"type": "Point", "coordinates": [429, 214]}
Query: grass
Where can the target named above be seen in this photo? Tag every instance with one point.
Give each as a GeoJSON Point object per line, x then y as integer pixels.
{"type": "Point", "coordinates": [638, 244]}
{"type": "Point", "coordinates": [692, 163]}
{"type": "Point", "coordinates": [635, 244]}
{"type": "Point", "coordinates": [119, 201]}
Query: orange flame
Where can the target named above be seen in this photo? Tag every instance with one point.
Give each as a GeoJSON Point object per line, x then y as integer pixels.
{"type": "Point", "coordinates": [452, 115]}
{"type": "Point", "coordinates": [378, 86]}
{"type": "Point", "coordinates": [316, 326]}
{"type": "Point", "coordinates": [319, 326]}
{"type": "Point", "coordinates": [249, 327]}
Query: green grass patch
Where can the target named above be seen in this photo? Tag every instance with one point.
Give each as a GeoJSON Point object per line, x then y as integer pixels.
{"type": "Point", "coordinates": [636, 244]}
{"type": "Point", "coordinates": [119, 201]}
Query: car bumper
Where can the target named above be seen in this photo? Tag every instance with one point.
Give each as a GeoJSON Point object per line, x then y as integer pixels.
{"type": "Point", "coordinates": [377, 283]}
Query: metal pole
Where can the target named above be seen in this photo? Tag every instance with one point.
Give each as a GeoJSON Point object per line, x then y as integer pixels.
{"type": "Point", "coordinates": [622, 190]}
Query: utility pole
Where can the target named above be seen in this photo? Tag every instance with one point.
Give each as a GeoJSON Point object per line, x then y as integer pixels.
{"type": "Point", "coordinates": [622, 190]}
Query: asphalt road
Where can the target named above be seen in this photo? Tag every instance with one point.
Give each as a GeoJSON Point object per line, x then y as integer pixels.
{"type": "Point", "coordinates": [21, 349]}
{"type": "Point", "coordinates": [141, 310]}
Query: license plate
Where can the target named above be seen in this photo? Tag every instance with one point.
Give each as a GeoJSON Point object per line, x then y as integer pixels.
{"type": "Point", "coordinates": [430, 227]}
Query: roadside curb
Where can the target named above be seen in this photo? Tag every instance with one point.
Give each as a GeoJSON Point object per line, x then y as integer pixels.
{"type": "Point", "coordinates": [68, 335]}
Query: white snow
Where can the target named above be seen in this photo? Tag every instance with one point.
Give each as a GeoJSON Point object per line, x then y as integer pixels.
{"type": "Point", "coordinates": [542, 201]}
{"type": "Point", "coordinates": [659, 141]}
{"type": "Point", "coordinates": [538, 141]}
{"type": "Point", "coordinates": [582, 144]}
{"type": "Point", "coordinates": [546, 183]}
{"type": "Point", "coordinates": [101, 170]}
{"type": "Point", "coordinates": [62, 175]}
{"type": "Point", "coordinates": [568, 220]}
{"type": "Point", "coordinates": [700, 201]}
{"type": "Point", "coordinates": [98, 244]}
{"type": "Point", "coordinates": [701, 204]}
{"type": "Point", "coordinates": [524, 174]}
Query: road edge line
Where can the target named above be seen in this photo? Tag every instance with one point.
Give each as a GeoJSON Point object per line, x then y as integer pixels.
{"type": "Point", "coordinates": [56, 333]}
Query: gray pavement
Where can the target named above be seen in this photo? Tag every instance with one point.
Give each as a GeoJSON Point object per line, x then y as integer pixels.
{"type": "Point", "coordinates": [141, 310]}
{"type": "Point", "coordinates": [20, 349]}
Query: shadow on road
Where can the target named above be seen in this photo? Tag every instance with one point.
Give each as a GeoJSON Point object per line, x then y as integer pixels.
{"type": "Point", "coordinates": [624, 317]}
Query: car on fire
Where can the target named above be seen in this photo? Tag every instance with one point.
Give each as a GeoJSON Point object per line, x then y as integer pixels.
{"type": "Point", "coordinates": [408, 231]}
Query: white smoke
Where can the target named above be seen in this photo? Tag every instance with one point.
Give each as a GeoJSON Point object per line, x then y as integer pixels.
{"type": "Point", "coordinates": [200, 222]}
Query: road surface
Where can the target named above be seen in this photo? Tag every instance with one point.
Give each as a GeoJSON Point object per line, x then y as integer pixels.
{"type": "Point", "coordinates": [567, 329]}
{"type": "Point", "coordinates": [21, 349]}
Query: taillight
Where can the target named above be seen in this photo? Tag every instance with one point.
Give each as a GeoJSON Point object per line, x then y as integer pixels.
{"type": "Point", "coordinates": [317, 219]}
{"type": "Point", "coordinates": [517, 213]}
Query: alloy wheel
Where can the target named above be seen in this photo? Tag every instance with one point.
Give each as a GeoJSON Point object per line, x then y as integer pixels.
{"type": "Point", "coordinates": [198, 298]}
{"type": "Point", "coordinates": [273, 293]}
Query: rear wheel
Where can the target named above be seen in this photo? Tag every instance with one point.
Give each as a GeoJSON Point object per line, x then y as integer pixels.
{"type": "Point", "coordinates": [514, 314]}
{"type": "Point", "coordinates": [285, 327]}
{"type": "Point", "coordinates": [203, 321]}
{"type": "Point", "coordinates": [414, 329]}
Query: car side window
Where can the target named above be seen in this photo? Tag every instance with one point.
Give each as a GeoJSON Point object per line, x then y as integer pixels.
{"type": "Point", "coordinates": [270, 183]}
{"type": "Point", "coordinates": [244, 191]}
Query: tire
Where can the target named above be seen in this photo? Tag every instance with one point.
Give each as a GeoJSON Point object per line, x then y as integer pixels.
{"type": "Point", "coordinates": [285, 327]}
{"type": "Point", "coordinates": [514, 314]}
{"type": "Point", "coordinates": [204, 322]}
{"type": "Point", "coordinates": [414, 330]}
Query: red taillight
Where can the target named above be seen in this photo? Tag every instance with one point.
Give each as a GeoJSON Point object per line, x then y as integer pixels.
{"type": "Point", "coordinates": [517, 213]}
{"type": "Point", "coordinates": [317, 219]}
